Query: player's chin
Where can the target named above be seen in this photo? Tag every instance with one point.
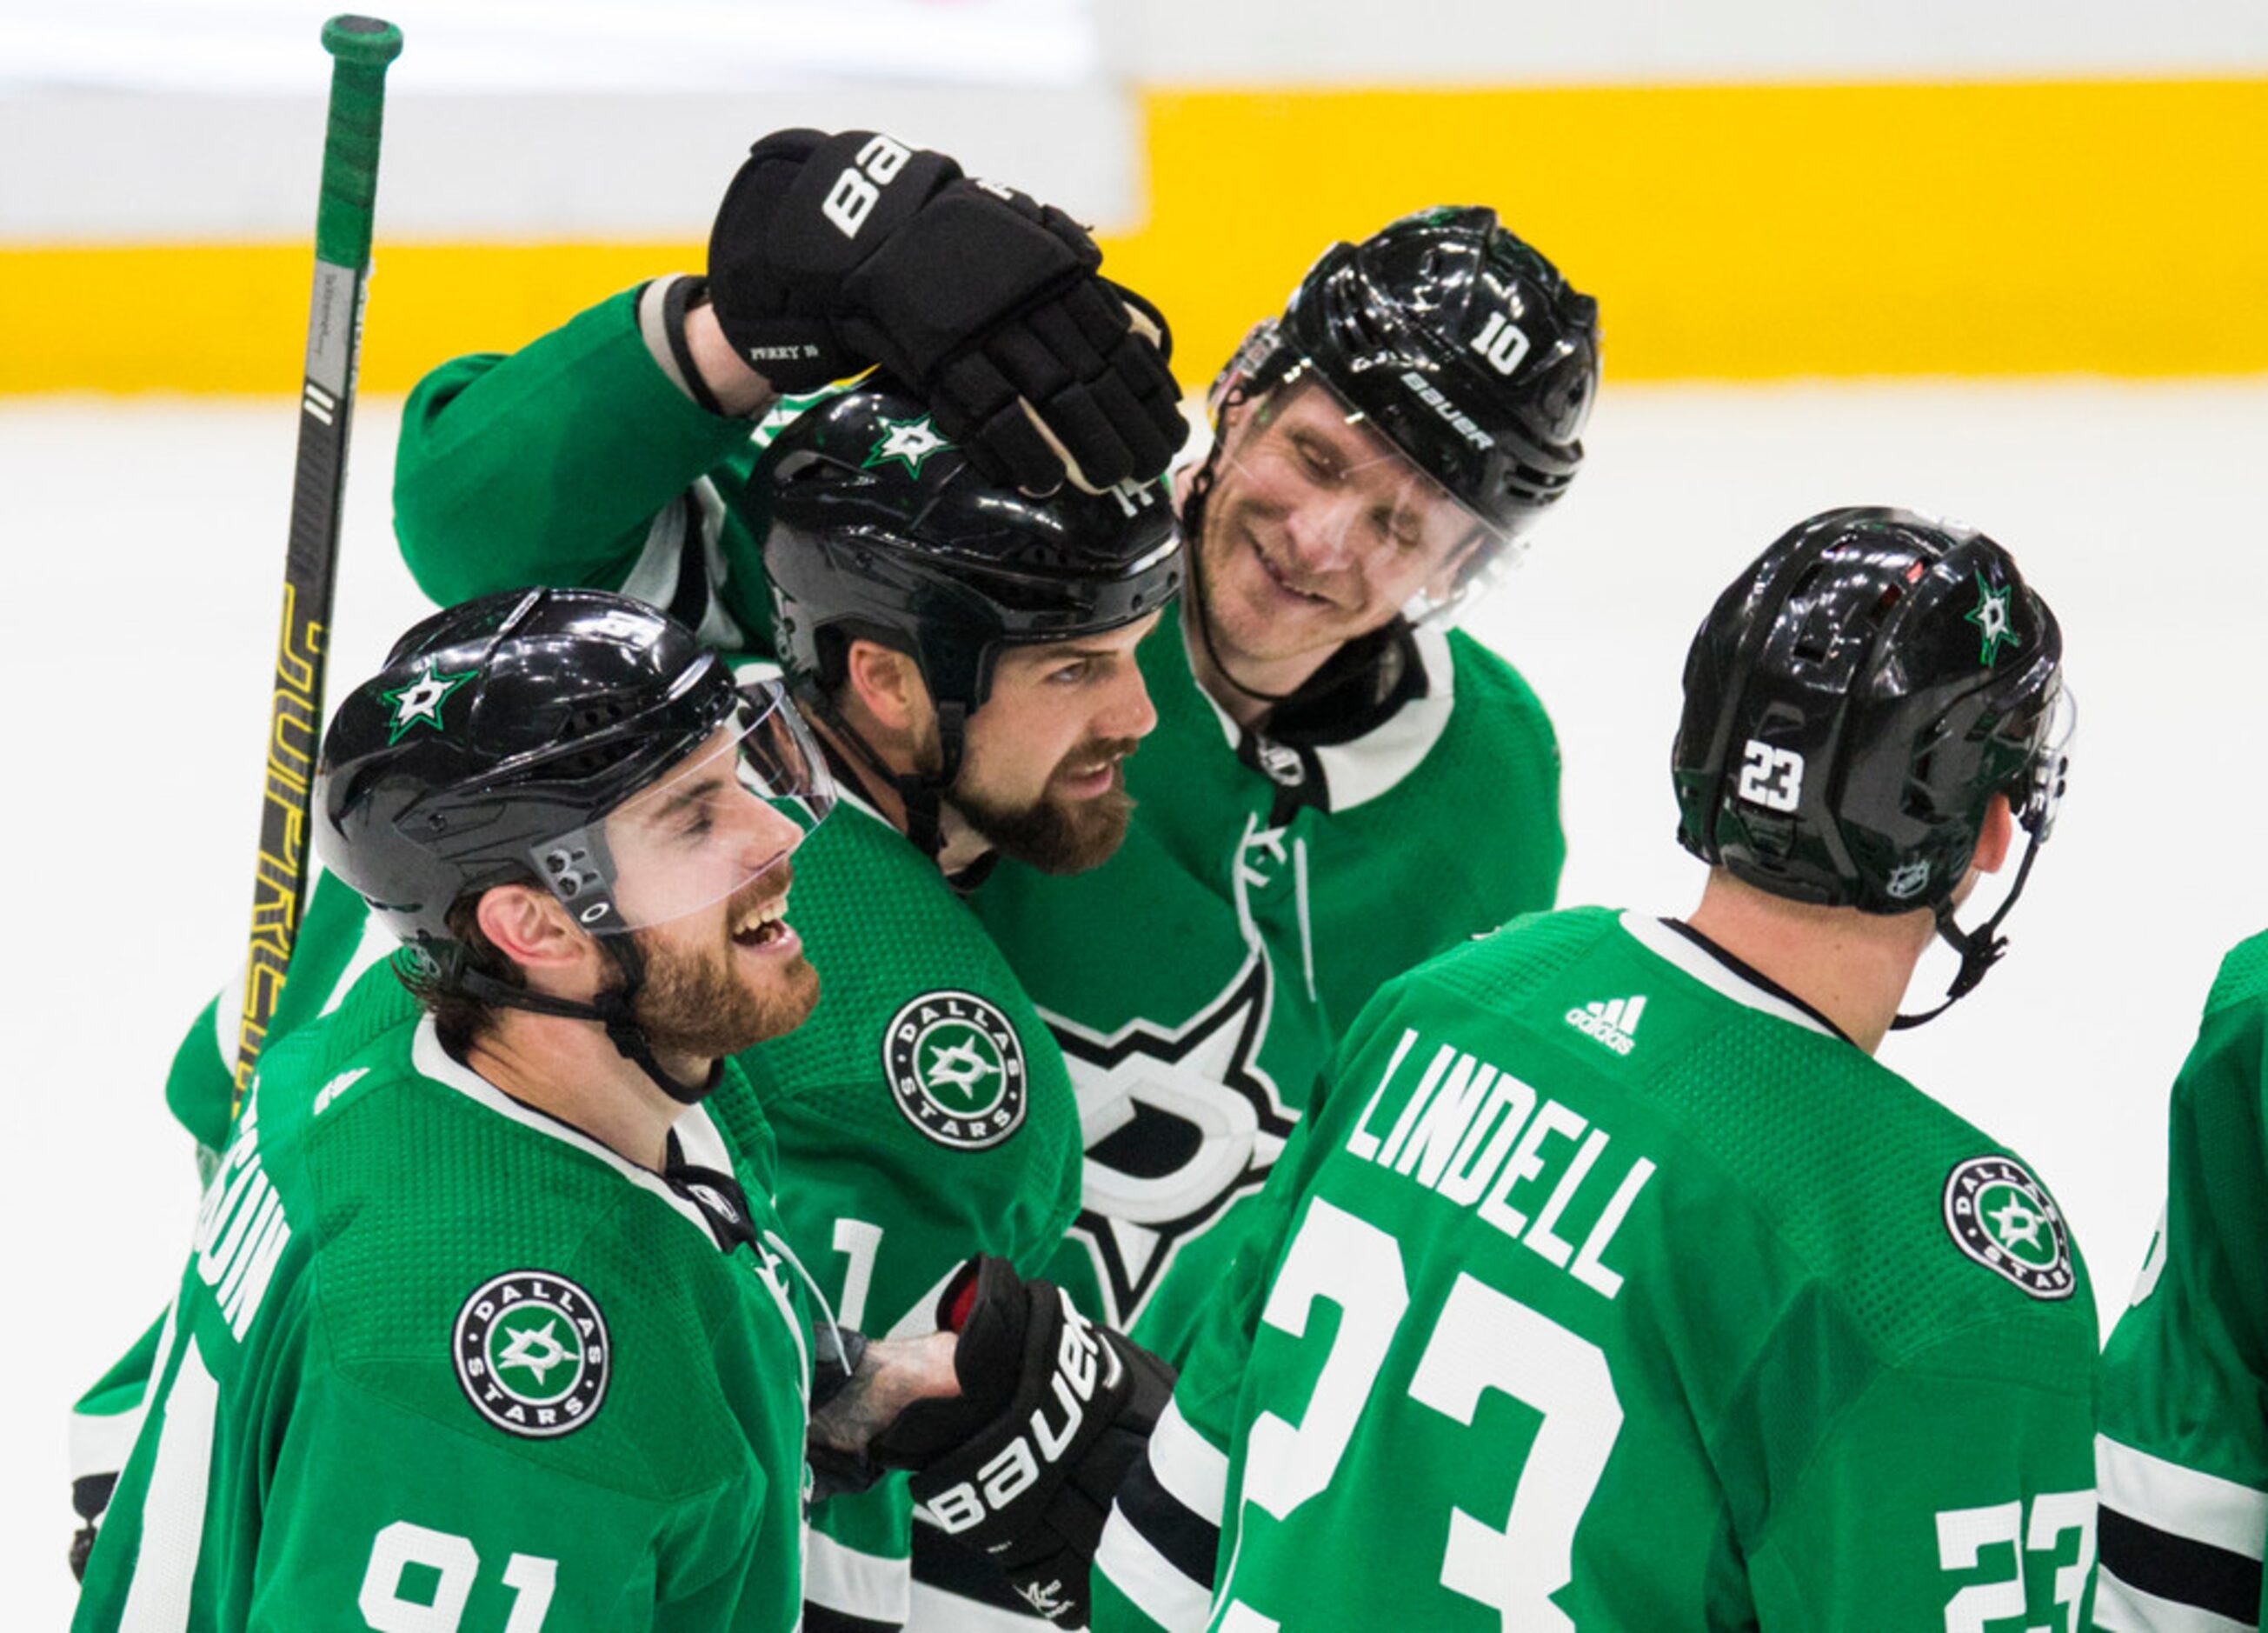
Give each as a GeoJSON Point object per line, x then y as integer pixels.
{"type": "Point", "coordinates": [1090, 831]}
{"type": "Point", "coordinates": [780, 1002]}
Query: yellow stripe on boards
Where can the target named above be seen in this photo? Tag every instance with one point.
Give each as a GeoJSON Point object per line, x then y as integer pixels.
{"type": "Point", "coordinates": [1730, 233]}
{"type": "Point", "coordinates": [1755, 231]}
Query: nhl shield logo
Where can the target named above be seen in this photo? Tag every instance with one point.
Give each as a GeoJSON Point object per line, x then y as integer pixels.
{"type": "Point", "coordinates": [956, 1069]}
{"type": "Point", "coordinates": [532, 1353]}
{"type": "Point", "coordinates": [2004, 1220]}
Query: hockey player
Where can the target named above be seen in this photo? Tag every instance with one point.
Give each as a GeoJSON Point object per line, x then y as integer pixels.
{"type": "Point", "coordinates": [485, 1309]}
{"type": "Point", "coordinates": [1307, 811]}
{"type": "Point", "coordinates": [2181, 1460]}
{"type": "Point", "coordinates": [1611, 1283]}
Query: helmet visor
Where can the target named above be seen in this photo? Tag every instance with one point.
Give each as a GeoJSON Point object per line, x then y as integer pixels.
{"type": "Point", "coordinates": [725, 815]}
{"type": "Point", "coordinates": [1336, 510]}
{"type": "Point", "coordinates": [2050, 763]}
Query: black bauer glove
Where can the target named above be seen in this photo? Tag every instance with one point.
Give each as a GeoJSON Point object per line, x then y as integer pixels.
{"type": "Point", "coordinates": [831, 253]}
{"type": "Point", "coordinates": [1054, 1410]}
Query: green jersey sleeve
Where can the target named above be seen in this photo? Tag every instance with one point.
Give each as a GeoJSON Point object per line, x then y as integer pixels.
{"type": "Point", "coordinates": [548, 466]}
{"type": "Point", "coordinates": [2181, 1454]}
{"type": "Point", "coordinates": [1951, 1492]}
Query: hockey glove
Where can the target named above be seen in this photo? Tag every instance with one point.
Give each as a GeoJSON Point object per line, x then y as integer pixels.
{"type": "Point", "coordinates": [831, 253]}
{"type": "Point", "coordinates": [1022, 1465]}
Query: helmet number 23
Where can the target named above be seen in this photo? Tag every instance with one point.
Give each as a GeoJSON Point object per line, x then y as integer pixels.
{"type": "Point", "coordinates": [1771, 778]}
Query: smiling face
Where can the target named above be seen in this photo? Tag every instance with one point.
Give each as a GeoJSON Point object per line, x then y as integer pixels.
{"type": "Point", "coordinates": [702, 864]}
{"type": "Point", "coordinates": [1039, 776]}
{"type": "Point", "coordinates": [1316, 531]}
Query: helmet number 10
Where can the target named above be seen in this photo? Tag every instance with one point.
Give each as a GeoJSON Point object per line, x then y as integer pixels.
{"type": "Point", "coordinates": [1502, 342]}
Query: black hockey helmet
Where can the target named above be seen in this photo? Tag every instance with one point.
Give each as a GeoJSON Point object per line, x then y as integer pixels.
{"type": "Point", "coordinates": [1464, 347]}
{"type": "Point", "coordinates": [502, 742]}
{"type": "Point", "coordinates": [881, 530]}
{"type": "Point", "coordinates": [1852, 703]}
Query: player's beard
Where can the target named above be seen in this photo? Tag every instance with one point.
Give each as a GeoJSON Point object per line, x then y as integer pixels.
{"type": "Point", "coordinates": [1055, 833]}
{"type": "Point", "coordinates": [698, 1002]}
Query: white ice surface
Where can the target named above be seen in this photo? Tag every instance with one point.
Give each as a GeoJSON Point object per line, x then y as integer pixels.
{"type": "Point", "coordinates": [151, 534]}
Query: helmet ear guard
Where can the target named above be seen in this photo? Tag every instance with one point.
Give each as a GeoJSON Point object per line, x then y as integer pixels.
{"type": "Point", "coordinates": [1850, 715]}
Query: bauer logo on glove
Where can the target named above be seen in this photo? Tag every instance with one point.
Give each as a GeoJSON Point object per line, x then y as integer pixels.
{"type": "Point", "coordinates": [1015, 1469]}
{"type": "Point", "coordinates": [1022, 1465]}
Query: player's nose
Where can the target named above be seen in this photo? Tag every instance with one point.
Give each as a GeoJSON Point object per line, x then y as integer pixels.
{"type": "Point", "coordinates": [1128, 710]}
{"type": "Point", "coordinates": [1321, 534]}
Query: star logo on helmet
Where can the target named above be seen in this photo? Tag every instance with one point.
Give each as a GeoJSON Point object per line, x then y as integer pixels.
{"type": "Point", "coordinates": [420, 701]}
{"type": "Point", "coordinates": [909, 441]}
{"type": "Point", "coordinates": [1993, 621]}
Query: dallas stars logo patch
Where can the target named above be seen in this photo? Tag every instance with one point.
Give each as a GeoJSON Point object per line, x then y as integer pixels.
{"type": "Point", "coordinates": [420, 701]}
{"type": "Point", "coordinates": [907, 441]}
{"type": "Point", "coordinates": [532, 1353]}
{"type": "Point", "coordinates": [1993, 621]}
{"type": "Point", "coordinates": [2004, 1220]}
{"type": "Point", "coordinates": [956, 1069]}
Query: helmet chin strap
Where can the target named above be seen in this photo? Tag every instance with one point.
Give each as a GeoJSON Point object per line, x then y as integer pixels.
{"type": "Point", "coordinates": [611, 1009]}
{"type": "Point", "coordinates": [1980, 948]}
{"type": "Point", "coordinates": [921, 793]}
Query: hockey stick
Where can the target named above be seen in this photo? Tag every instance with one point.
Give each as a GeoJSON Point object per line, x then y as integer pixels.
{"type": "Point", "coordinates": [361, 47]}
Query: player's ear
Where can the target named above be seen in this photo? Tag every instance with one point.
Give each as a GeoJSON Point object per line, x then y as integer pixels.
{"type": "Point", "coordinates": [526, 924]}
{"type": "Point", "coordinates": [886, 684]}
{"type": "Point", "coordinates": [1993, 840]}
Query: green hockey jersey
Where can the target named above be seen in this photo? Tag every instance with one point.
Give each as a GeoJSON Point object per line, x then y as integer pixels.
{"type": "Point", "coordinates": [438, 1360]}
{"type": "Point", "coordinates": [923, 1112]}
{"type": "Point", "coordinates": [1607, 1287]}
{"type": "Point", "coordinates": [1198, 980]}
{"type": "Point", "coordinates": [2181, 1460]}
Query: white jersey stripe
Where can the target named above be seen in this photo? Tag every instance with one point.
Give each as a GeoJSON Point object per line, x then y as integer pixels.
{"type": "Point", "coordinates": [842, 1578]}
{"type": "Point", "coordinates": [936, 1610]}
{"type": "Point", "coordinates": [2119, 1608]}
{"type": "Point", "coordinates": [2184, 1502]}
{"type": "Point", "coordinates": [174, 1506]}
{"type": "Point", "coordinates": [1187, 1466]}
{"type": "Point", "coordinates": [1146, 1577]}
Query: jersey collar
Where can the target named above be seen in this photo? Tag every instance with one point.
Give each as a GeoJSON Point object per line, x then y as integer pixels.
{"type": "Point", "coordinates": [696, 1139]}
{"type": "Point", "coordinates": [1338, 770]}
{"type": "Point", "coordinates": [1674, 942]}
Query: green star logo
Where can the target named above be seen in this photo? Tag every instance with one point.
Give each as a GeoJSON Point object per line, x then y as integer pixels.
{"type": "Point", "coordinates": [525, 1348]}
{"type": "Point", "coordinates": [961, 1068]}
{"type": "Point", "coordinates": [909, 441]}
{"type": "Point", "coordinates": [2017, 1223]}
{"type": "Point", "coordinates": [1991, 619]}
{"type": "Point", "coordinates": [420, 701]}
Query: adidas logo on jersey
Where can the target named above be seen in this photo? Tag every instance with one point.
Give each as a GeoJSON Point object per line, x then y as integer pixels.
{"type": "Point", "coordinates": [1612, 1021]}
